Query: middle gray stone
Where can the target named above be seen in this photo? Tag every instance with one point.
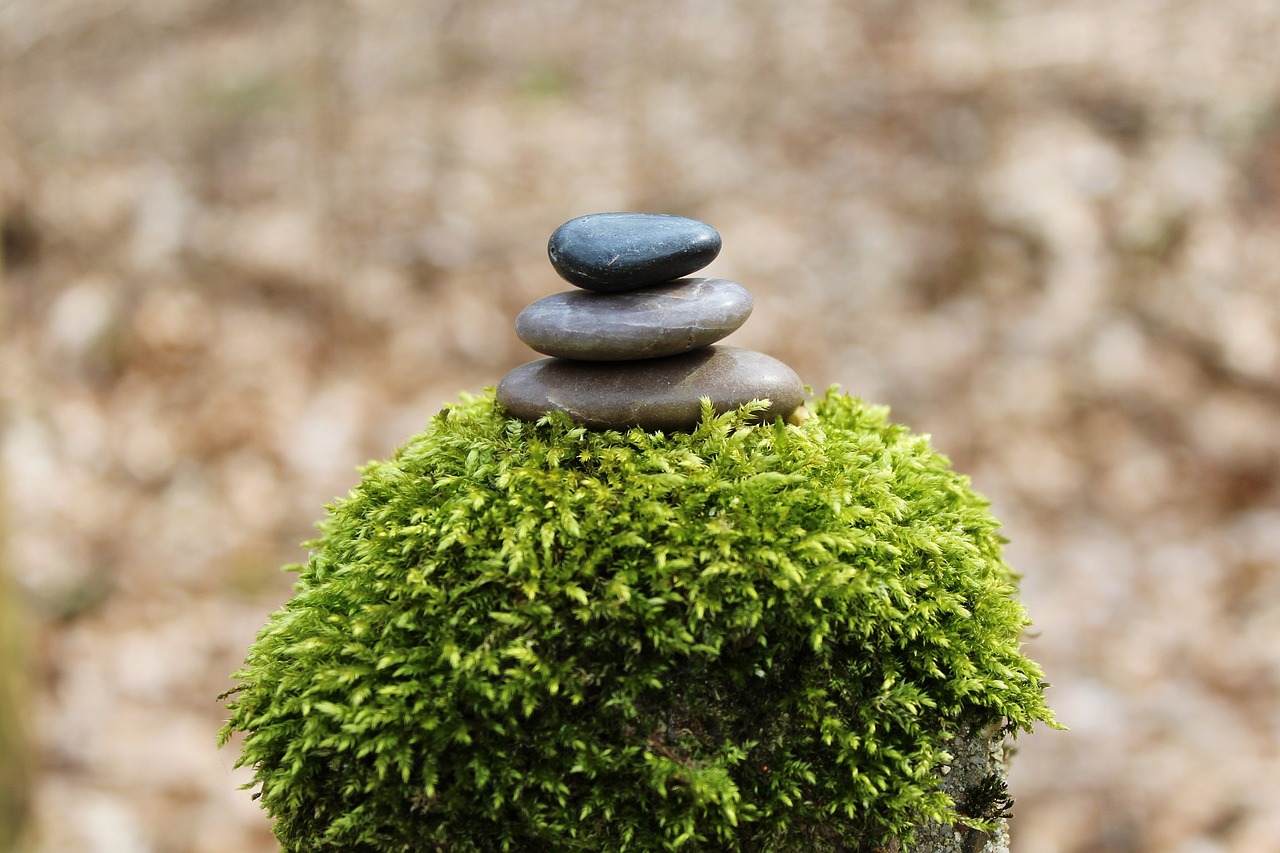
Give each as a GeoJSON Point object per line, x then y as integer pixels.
{"type": "Point", "coordinates": [650, 322]}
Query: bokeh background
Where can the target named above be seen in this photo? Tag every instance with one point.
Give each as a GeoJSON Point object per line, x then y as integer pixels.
{"type": "Point", "coordinates": [250, 244]}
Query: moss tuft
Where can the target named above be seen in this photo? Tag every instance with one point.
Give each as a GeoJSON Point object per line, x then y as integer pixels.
{"type": "Point", "coordinates": [525, 637]}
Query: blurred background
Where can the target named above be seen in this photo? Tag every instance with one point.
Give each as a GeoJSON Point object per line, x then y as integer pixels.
{"type": "Point", "coordinates": [251, 244]}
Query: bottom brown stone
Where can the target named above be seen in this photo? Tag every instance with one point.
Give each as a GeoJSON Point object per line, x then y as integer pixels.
{"type": "Point", "coordinates": [653, 394]}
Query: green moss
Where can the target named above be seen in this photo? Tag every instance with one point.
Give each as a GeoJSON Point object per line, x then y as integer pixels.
{"type": "Point", "coordinates": [530, 637]}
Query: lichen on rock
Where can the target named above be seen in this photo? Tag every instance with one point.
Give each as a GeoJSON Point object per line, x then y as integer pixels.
{"type": "Point", "coordinates": [526, 636]}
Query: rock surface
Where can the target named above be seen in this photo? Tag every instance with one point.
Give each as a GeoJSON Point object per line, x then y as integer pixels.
{"type": "Point", "coordinates": [977, 781]}
{"type": "Point", "coordinates": [654, 394]}
{"type": "Point", "coordinates": [611, 252]}
{"type": "Point", "coordinates": [650, 322]}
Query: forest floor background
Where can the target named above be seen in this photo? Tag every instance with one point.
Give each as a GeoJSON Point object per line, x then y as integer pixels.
{"type": "Point", "coordinates": [250, 245]}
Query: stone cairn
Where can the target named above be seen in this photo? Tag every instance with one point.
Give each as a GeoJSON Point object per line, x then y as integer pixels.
{"type": "Point", "coordinates": [634, 346]}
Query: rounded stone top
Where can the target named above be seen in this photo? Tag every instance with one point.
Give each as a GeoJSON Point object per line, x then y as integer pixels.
{"type": "Point", "coordinates": [655, 394]}
{"type": "Point", "coordinates": [649, 322]}
{"type": "Point", "coordinates": [611, 252]}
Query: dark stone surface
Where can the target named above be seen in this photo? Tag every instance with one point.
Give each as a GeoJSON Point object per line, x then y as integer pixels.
{"type": "Point", "coordinates": [654, 394]}
{"type": "Point", "coordinates": [610, 252]}
{"type": "Point", "coordinates": [650, 322]}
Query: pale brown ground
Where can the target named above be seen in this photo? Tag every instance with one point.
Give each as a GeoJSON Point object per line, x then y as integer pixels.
{"type": "Point", "coordinates": [252, 244]}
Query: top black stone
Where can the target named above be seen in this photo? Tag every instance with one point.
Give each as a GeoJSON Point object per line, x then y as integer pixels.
{"type": "Point", "coordinates": [612, 252]}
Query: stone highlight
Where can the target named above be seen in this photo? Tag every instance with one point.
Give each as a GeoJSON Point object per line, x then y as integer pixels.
{"type": "Point", "coordinates": [612, 252]}
{"type": "Point", "coordinates": [653, 394]}
{"type": "Point", "coordinates": [650, 322]}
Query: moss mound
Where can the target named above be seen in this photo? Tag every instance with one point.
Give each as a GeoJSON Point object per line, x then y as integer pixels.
{"type": "Point", "coordinates": [528, 637]}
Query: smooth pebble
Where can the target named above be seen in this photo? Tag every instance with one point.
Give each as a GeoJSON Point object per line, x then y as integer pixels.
{"type": "Point", "coordinates": [659, 320]}
{"type": "Point", "coordinates": [654, 394]}
{"type": "Point", "coordinates": [611, 252]}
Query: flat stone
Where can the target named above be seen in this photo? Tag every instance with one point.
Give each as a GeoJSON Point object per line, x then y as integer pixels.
{"type": "Point", "coordinates": [610, 252]}
{"type": "Point", "coordinates": [654, 394]}
{"type": "Point", "coordinates": [650, 322]}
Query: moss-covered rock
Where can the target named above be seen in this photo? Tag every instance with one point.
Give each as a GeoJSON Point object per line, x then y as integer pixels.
{"type": "Point", "coordinates": [519, 636]}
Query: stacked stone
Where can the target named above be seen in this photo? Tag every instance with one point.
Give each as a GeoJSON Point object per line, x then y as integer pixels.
{"type": "Point", "coordinates": [635, 346]}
